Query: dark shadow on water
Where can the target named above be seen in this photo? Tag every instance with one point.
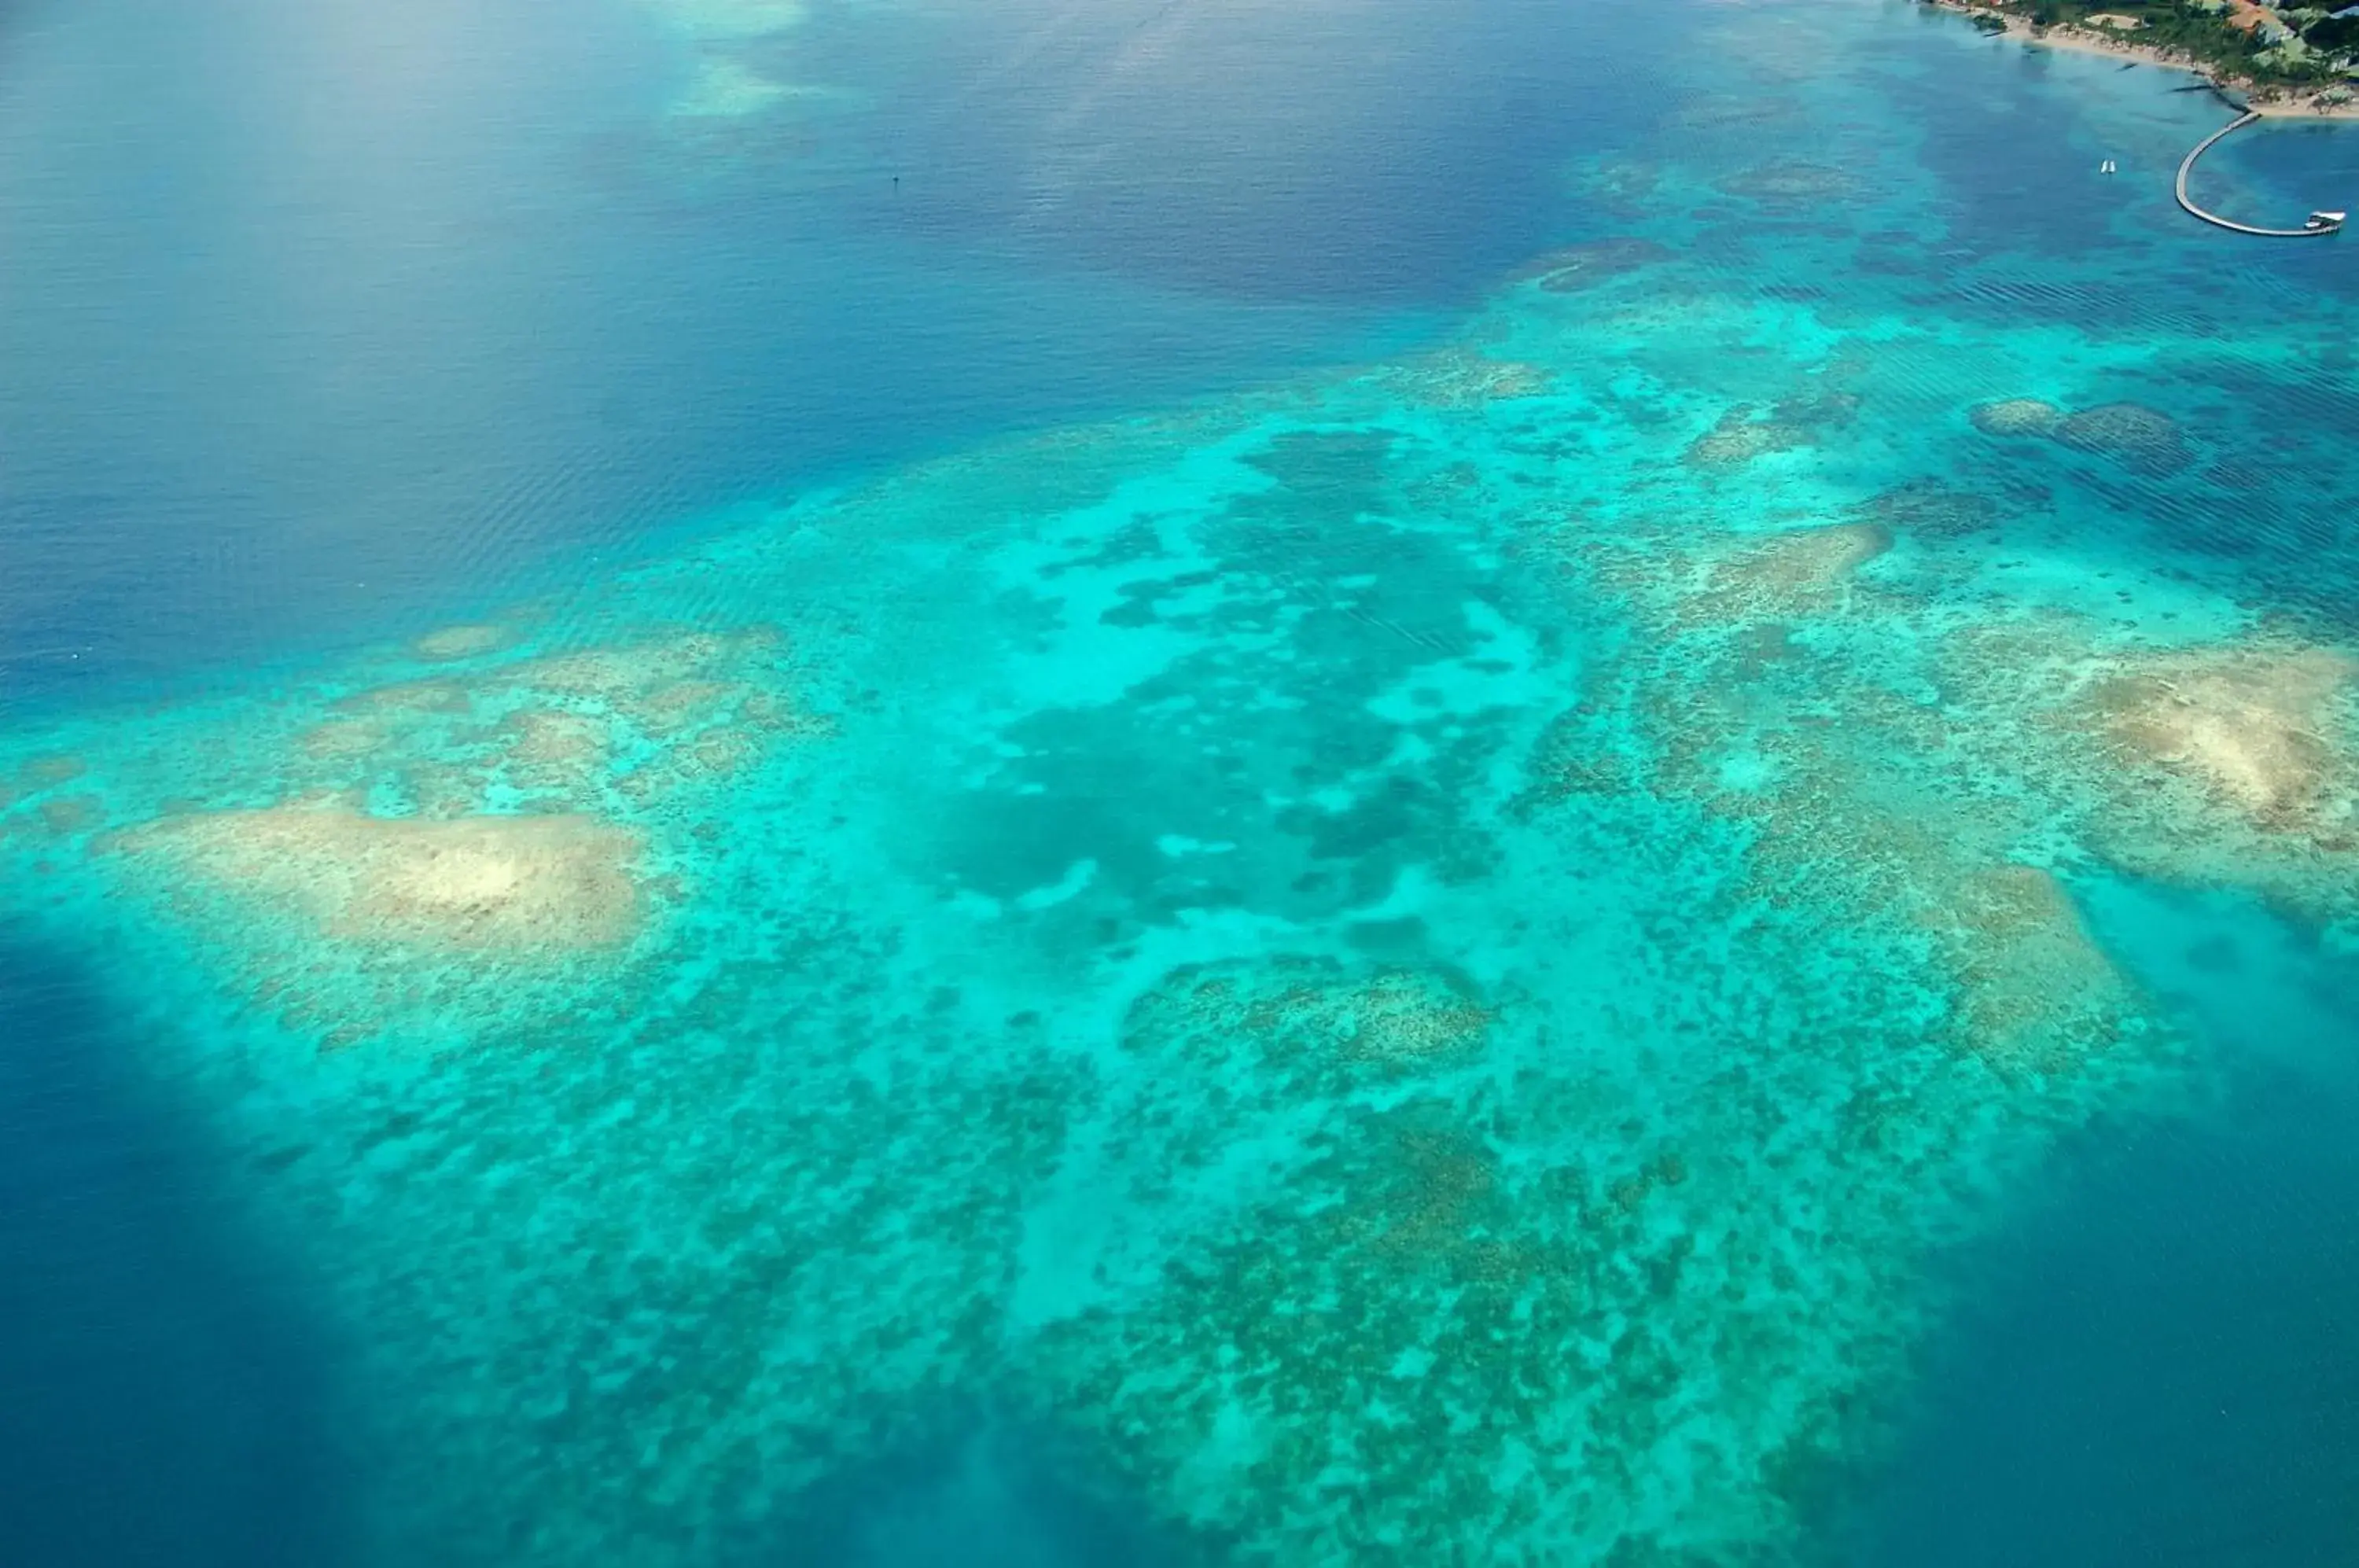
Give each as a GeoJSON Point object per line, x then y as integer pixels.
{"type": "Point", "coordinates": [161, 1400]}
{"type": "Point", "coordinates": [2159, 1363]}
{"type": "Point", "coordinates": [981, 1488]}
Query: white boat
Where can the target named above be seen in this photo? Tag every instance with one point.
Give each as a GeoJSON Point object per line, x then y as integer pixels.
{"type": "Point", "coordinates": [2322, 220]}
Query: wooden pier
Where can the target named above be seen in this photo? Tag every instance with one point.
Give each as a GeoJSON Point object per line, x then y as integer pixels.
{"type": "Point", "coordinates": [2320, 224]}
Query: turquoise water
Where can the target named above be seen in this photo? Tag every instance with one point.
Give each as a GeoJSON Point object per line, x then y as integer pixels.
{"type": "Point", "coordinates": [866, 786]}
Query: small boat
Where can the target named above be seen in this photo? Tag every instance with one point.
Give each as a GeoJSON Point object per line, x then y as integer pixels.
{"type": "Point", "coordinates": [2329, 221]}
{"type": "Point", "coordinates": [2108, 167]}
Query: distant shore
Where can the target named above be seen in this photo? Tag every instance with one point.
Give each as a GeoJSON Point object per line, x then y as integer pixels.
{"type": "Point", "coordinates": [2274, 100]}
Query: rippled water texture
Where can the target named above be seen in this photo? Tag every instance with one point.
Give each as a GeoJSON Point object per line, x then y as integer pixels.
{"type": "Point", "coordinates": [879, 785]}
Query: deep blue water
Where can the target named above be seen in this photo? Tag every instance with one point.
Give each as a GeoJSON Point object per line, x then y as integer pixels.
{"type": "Point", "coordinates": [169, 1394]}
{"type": "Point", "coordinates": [318, 314]}
{"type": "Point", "coordinates": [978, 1490]}
{"type": "Point", "coordinates": [2158, 1361]}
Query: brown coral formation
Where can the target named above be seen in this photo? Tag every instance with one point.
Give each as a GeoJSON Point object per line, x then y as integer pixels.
{"type": "Point", "coordinates": [1622, 186]}
{"type": "Point", "coordinates": [685, 709]}
{"type": "Point", "coordinates": [2130, 433]}
{"type": "Point", "coordinates": [1929, 509]}
{"type": "Point", "coordinates": [1437, 1200]}
{"type": "Point", "coordinates": [340, 738]}
{"type": "Point", "coordinates": [512, 885]}
{"type": "Point", "coordinates": [1583, 267]}
{"type": "Point", "coordinates": [1304, 1018]}
{"type": "Point", "coordinates": [460, 642]}
{"type": "Point", "coordinates": [1791, 182]}
{"type": "Point", "coordinates": [402, 697]}
{"type": "Point", "coordinates": [69, 813]}
{"type": "Point", "coordinates": [1862, 807]}
{"type": "Point", "coordinates": [1743, 432]}
{"type": "Point", "coordinates": [1403, 1017]}
{"type": "Point", "coordinates": [2012, 418]}
{"type": "Point", "coordinates": [1795, 570]}
{"type": "Point", "coordinates": [1739, 436]}
{"type": "Point", "coordinates": [44, 772]}
{"type": "Point", "coordinates": [2035, 992]}
{"type": "Point", "coordinates": [1461, 379]}
{"type": "Point", "coordinates": [1748, 579]}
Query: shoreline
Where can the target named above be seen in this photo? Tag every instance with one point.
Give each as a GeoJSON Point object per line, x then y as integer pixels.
{"type": "Point", "coordinates": [2273, 101]}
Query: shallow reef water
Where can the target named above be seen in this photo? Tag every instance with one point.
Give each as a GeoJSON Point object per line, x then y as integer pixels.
{"type": "Point", "coordinates": [1449, 957]}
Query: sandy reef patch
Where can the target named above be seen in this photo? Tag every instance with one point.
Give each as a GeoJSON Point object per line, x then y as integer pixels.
{"type": "Point", "coordinates": [1465, 378]}
{"type": "Point", "coordinates": [2036, 991]}
{"type": "Point", "coordinates": [461, 642]}
{"type": "Point", "coordinates": [511, 886]}
{"type": "Point", "coordinates": [2016, 417]}
{"type": "Point", "coordinates": [2256, 731]}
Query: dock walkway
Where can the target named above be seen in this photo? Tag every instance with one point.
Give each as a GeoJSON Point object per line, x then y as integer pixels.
{"type": "Point", "coordinates": [2315, 231]}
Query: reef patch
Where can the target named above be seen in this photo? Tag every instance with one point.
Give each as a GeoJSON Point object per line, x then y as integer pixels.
{"type": "Point", "coordinates": [2011, 418]}
{"type": "Point", "coordinates": [2249, 729]}
{"type": "Point", "coordinates": [510, 885]}
{"type": "Point", "coordinates": [460, 642]}
{"type": "Point", "coordinates": [1745, 431]}
{"type": "Point", "coordinates": [1791, 182]}
{"type": "Point", "coordinates": [2035, 992]}
{"type": "Point", "coordinates": [1578, 268]}
{"type": "Point", "coordinates": [2130, 433]}
{"type": "Point", "coordinates": [1463, 378]}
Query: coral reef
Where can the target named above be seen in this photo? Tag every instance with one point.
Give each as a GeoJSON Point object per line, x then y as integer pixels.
{"type": "Point", "coordinates": [1582, 266]}
{"type": "Point", "coordinates": [1743, 580]}
{"type": "Point", "coordinates": [1876, 812]}
{"type": "Point", "coordinates": [2250, 728]}
{"type": "Point", "coordinates": [1490, 1333]}
{"type": "Point", "coordinates": [2130, 433]}
{"type": "Point", "coordinates": [1792, 182]}
{"type": "Point", "coordinates": [2017, 417]}
{"type": "Point", "coordinates": [461, 642]}
{"type": "Point", "coordinates": [450, 853]}
{"type": "Point", "coordinates": [2035, 992]}
{"type": "Point", "coordinates": [1462, 378]}
{"type": "Point", "coordinates": [1745, 431]}
{"type": "Point", "coordinates": [1308, 1017]}
{"type": "Point", "coordinates": [638, 722]}
{"type": "Point", "coordinates": [1423, 972]}
{"type": "Point", "coordinates": [1620, 185]}
{"type": "Point", "coordinates": [2225, 764]}
{"type": "Point", "coordinates": [1795, 572]}
{"type": "Point", "coordinates": [1929, 509]}
{"type": "Point", "coordinates": [511, 886]}
{"type": "Point", "coordinates": [45, 772]}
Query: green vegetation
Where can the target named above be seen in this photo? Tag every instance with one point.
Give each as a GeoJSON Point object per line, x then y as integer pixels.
{"type": "Point", "coordinates": [2292, 47]}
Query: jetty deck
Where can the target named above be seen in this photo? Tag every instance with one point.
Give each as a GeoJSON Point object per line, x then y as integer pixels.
{"type": "Point", "coordinates": [2314, 230]}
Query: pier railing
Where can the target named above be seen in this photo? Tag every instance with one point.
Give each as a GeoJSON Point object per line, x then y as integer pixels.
{"type": "Point", "coordinates": [2320, 225]}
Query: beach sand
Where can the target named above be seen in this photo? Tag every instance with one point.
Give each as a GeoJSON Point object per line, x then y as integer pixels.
{"type": "Point", "coordinates": [2276, 101]}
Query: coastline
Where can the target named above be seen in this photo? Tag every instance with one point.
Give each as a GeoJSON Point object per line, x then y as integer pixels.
{"type": "Point", "coordinates": [2275, 101]}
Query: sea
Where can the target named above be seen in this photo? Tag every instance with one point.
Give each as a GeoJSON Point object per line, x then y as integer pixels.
{"type": "Point", "coordinates": [892, 784]}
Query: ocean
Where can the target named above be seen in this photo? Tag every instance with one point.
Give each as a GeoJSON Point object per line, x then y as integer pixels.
{"type": "Point", "coordinates": [852, 784]}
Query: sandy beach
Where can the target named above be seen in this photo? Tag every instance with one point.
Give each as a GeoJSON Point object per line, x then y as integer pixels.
{"type": "Point", "coordinates": [2272, 100]}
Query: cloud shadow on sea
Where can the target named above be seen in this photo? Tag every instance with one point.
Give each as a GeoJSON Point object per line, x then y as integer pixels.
{"type": "Point", "coordinates": [2155, 1363]}
{"type": "Point", "coordinates": [165, 1401]}
{"type": "Point", "coordinates": [973, 1486]}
